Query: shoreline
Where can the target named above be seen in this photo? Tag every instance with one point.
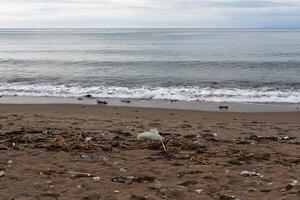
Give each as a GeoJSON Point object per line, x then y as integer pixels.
{"type": "Point", "coordinates": [160, 104]}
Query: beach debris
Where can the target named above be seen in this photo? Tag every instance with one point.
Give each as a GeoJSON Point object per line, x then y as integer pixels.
{"type": "Point", "coordinates": [79, 174]}
{"type": "Point", "coordinates": [101, 102]}
{"type": "Point", "coordinates": [2, 173]}
{"type": "Point", "coordinates": [210, 136]}
{"type": "Point", "coordinates": [88, 139]}
{"type": "Point", "coordinates": [125, 101]}
{"type": "Point", "coordinates": [198, 190]}
{"type": "Point", "coordinates": [248, 173]}
{"type": "Point", "coordinates": [228, 197]}
{"type": "Point", "coordinates": [47, 134]}
{"type": "Point", "coordinates": [153, 134]}
{"type": "Point", "coordinates": [273, 138]}
{"type": "Point", "coordinates": [290, 185]}
{"type": "Point", "coordinates": [88, 96]}
{"type": "Point", "coordinates": [96, 178]}
{"type": "Point", "coordinates": [188, 183]}
{"type": "Point", "coordinates": [119, 179]}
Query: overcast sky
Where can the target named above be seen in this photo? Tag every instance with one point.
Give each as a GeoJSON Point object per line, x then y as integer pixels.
{"type": "Point", "coordinates": [149, 13]}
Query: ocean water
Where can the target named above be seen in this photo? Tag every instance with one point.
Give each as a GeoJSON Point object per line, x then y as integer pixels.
{"type": "Point", "coordinates": [211, 65]}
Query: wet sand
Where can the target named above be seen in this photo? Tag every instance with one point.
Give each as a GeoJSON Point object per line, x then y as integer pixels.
{"type": "Point", "coordinates": [91, 152]}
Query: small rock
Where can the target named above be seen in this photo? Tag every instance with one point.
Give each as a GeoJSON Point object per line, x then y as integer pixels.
{"type": "Point", "coordinates": [116, 191]}
{"type": "Point", "coordinates": [2, 173]}
{"type": "Point", "coordinates": [188, 183]}
{"type": "Point", "coordinates": [158, 185]}
{"type": "Point", "coordinates": [227, 197]}
{"type": "Point", "coordinates": [9, 161]}
{"type": "Point", "coordinates": [119, 179]}
{"type": "Point", "coordinates": [49, 182]}
{"type": "Point", "coordinates": [79, 99]}
{"type": "Point", "coordinates": [123, 170]}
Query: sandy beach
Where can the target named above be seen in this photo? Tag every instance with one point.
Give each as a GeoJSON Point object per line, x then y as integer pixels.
{"type": "Point", "coordinates": [91, 152]}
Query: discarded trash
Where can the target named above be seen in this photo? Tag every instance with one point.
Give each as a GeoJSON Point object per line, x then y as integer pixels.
{"type": "Point", "coordinates": [153, 134]}
{"type": "Point", "coordinates": [88, 139]}
{"type": "Point", "coordinates": [290, 185]}
{"type": "Point", "coordinates": [2, 173]}
{"type": "Point", "coordinates": [199, 191]}
{"type": "Point", "coordinates": [247, 173]}
{"type": "Point", "coordinates": [96, 178]}
{"type": "Point", "coordinates": [79, 174]}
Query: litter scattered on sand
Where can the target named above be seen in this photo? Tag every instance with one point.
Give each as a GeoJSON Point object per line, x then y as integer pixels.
{"type": "Point", "coordinates": [153, 134]}
{"type": "Point", "coordinates": [248, 173]}
{"type": "Point", "coordinates": [2, 173]}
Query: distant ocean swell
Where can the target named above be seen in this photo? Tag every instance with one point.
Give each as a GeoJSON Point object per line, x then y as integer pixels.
{"type": "Point", "coordinates": [187, 93]}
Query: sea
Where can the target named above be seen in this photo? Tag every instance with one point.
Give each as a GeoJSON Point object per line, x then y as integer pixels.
{"type": "Point", "coordinates": [207, 65]}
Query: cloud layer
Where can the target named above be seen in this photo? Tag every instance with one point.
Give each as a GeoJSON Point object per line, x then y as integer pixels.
{"type": "Point", "coordinates": [149, 13]}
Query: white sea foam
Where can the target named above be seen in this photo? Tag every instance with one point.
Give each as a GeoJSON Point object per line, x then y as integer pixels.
{"type": "Point", "coordinates": [259, 95]}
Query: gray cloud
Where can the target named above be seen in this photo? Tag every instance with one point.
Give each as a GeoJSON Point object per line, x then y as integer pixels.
{"type": "Point", "coordinates": [149, 13]}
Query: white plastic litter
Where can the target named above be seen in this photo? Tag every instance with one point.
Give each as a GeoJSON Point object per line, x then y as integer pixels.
{"type": "Point", "coordinates": [153, 134]}
{"type": "Point", "coordinates": [247, 173]}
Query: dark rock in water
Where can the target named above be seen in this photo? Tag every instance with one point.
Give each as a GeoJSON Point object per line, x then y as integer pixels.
{"type": "Point", "coordinates": [223, 107]}
{"type": "Point", "coordinates": [188, 183]}
{"type": "Point", "coordinates": [101, 102]}
{"type": "Point", "coordinates": [173, 100]}
{"type": "Point", "coordinates": [125, 101]}
{"type": "Point", "coordinates": [119, 179]}
{"type": "Point", "coordinates": [88, 96]}
{"type": "Point", "coordinates": [79, 99]}
{"type": "Point", "coordinates": [0, 96]}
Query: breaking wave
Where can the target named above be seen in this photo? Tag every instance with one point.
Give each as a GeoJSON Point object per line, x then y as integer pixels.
{"type": "Point", "coordinates": [191, 93]}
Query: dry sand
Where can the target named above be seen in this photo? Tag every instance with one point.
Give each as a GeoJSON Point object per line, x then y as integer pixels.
{"type": "Point", "coordinates": [42, 145]}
